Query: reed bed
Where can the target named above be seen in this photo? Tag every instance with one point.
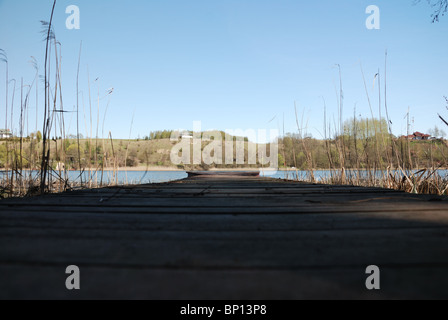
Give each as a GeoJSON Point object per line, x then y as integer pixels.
{"type": "Point", "coordinates": [425, 181]}
{"type": "Point", "coordinates": [364, 152]}
{"type": "Point", "coordinates": [35, 163]}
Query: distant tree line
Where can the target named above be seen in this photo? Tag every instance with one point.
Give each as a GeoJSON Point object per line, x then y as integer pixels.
{"type": "Point", "coordinates": [166, 134]}
{"type": "Point", "coordinates": [159, 135]}
{"type": "Point", "coordinates": [365, 143]}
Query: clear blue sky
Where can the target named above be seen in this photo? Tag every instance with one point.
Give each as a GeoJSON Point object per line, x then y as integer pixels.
{"type": "Point", "coordinates": [233, 64]}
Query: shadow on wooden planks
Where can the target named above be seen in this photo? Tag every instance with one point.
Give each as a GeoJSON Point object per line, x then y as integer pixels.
{"type": "Point", "coordinates": [225, 238]}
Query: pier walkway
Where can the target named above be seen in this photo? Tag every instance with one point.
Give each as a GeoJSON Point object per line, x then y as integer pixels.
{"type": "Point", "coordinates": [224, 237]}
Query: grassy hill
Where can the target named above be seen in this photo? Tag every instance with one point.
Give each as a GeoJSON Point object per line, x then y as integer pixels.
{"type": "Point", "coordinates": [96, 153]}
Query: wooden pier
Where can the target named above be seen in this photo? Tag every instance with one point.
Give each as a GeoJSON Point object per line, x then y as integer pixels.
{"type": "Point", "coordinates": [218, 237]}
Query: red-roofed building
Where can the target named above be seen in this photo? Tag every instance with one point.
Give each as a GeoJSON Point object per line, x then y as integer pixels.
{"type": "Point", "coordinates": [418, 136]}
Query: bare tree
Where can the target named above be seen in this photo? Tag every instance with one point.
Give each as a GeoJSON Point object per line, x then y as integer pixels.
{"type": "Point", "coordinates": [444, 121]}
{"type": "Point", "coordinates": [441, 118]}
{"type": "Point", "coordinates": [440, 8]}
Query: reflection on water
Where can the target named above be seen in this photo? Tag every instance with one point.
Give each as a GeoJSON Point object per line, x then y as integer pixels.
{"type": "Point", "coordinates": [142, 177]}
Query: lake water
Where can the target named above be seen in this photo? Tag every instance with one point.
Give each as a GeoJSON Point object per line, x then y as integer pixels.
{"type": "Point", "coordinates": [141, 177]}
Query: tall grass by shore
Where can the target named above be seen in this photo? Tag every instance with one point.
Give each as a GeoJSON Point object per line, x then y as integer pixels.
{"type": "Point", "coordinates": [364, 152]}
{"type": "Point", "coordinates": [46, 149]}
{"type": "Point", "coordinates": [425, 181]}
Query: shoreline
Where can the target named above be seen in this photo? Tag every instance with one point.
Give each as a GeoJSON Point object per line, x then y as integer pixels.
{"type": "Point", "coordinates": [174, 169]}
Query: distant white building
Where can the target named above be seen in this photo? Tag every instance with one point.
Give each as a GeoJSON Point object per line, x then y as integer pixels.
{"type": "Point", "coordinates": [60, 166]}
{"type": "Point", "coordinates": [5, 134]}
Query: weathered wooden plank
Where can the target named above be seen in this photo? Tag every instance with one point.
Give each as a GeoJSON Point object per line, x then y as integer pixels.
{"type": "Point", "coordinates": [222, 202]}
{"type": "Point", "coordinates": [193, 222]}
{"type": "Point", "coordinates": [185, 184]}
{"type": "Point", "coordinates": [305, 208]}
{"type": "Point", "coordinates": [224, 192]}
{"type": "Point", "coordinates": [227, 250]}
{"type": "Point", "coordinates": [163, 284]}
{"type": "Point", "coordinates": [240, 187]}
